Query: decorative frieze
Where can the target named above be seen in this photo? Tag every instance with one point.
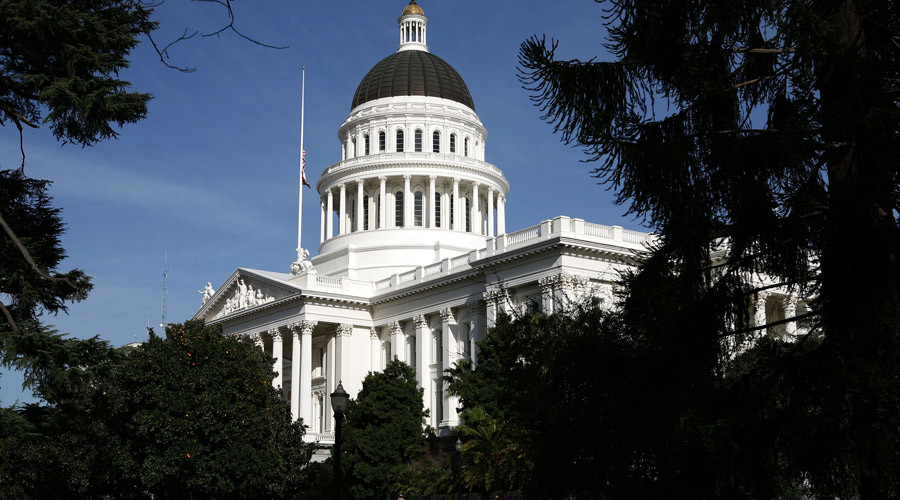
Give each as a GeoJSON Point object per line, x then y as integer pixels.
{"type": "Point", "coordinates": [243, 296]}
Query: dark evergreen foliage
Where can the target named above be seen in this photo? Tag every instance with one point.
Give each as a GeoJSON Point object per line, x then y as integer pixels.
{"type": "Point", "coordinates": [383, 430]}
{"type": "Point", "coordinates": [189, 415]}
{"type": "Point", "coordinates": [754, 137]}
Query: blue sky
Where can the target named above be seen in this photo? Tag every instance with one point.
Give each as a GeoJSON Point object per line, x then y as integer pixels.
{"type": "Point", "coordinates": [210, 177]}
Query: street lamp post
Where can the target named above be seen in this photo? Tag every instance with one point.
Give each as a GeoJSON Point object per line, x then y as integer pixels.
{"type": "Point", "coordinates": [458, 468]}
{"type": "Point", "coordinates": [339, 399]}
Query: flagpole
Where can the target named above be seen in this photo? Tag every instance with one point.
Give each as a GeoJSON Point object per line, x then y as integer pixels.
{"type": "Point", "coordinates": [302, 160]}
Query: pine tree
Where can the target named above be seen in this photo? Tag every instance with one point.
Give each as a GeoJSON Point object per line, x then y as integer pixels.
{"type": "Point", "coordinates": [771, 127]}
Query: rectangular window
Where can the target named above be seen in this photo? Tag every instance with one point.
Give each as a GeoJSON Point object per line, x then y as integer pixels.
{"type": "Point", "coordinates": [381, 141]}
{"type": "Point", "coordinates": [367, 144]}
{"type": "Point", "coordinates": [452, 143]}
{"type": "Point", "coordinates": [438, 402]}
{"type": "Point", "coordinates": [418, 203]}
{"type": "Point", "coordinates": [366, 213]}
{"type": "Point", "coordinates": [436, 142]}
{"type": "Point", "coordinates": [418, 141]}
{"type": "Point", "coordinates": [452, 206]}
{"type": "Point", "coordinates": [398, 209]}
{"type": "Point", "coordinates": [437, 209]}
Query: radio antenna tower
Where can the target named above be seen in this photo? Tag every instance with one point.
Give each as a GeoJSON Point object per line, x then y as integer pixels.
{"type": "Point", "coordinates": [165, 280]}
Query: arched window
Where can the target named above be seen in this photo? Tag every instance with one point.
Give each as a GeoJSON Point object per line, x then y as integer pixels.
{"type": "Point", "coordinates": [352, 148]}
{"type": "Point", "coordinates": [352, 215]}
{"type": "Point", "coordinates": [398, 209]}
{"type": "Point", "coordinates": [466, 147]}
{"type": "Point", "coordinates": [366, 212]}
{"type": "Point", "coordinates": [399, 141]}
{"type": "Point", "coordinates": [452, 224]}
{"type": "Point", "coordinates": [437, 209]}
{"type": "Point", "coordinates": [418, 141]}
{"type": "Point", "coordinates": [436, 142]}
{"type": "Point", "coordinates": [381, 141]}
{"type": "Point", "coordinates": [366, 138]}
{"type": "Point", "coordinates": [452, 143]}
{"type": "Point", "coordinates": [418, 208]}
{"type": "Point", "coordinates": [468, 215]}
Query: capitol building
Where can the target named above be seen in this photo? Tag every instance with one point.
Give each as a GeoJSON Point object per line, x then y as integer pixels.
{"type": "Point", "coordinates": [415, 260]}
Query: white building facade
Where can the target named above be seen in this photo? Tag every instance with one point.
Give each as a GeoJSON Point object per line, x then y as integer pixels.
{"type": "Point", "coordinates": [414, 260]}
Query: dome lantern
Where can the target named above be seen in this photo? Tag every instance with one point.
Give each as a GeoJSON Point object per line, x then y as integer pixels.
{"type": "Point", "coordinates": [413, 28]}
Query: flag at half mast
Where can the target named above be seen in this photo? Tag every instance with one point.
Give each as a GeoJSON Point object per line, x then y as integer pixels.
{"type": "Point", "coordinates": [303, 168]}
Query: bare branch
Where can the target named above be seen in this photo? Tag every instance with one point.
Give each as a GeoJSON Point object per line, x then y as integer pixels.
{"type": "Point", "coordinates": [163, 55]}
{"type": "Point", "coordinates": [230, 26]}
{"type": "Point", "coordinates": [28, 257]}
{"type": "Point", "coordinates": [747, 50]}
{"type": "Point", "coordinates": [9, 317]}
{"type": "Point", "coordinates": [751, 82]}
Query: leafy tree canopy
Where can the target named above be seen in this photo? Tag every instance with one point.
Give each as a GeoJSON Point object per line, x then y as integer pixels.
{"type": "Point", "coordinates": [383, 430]}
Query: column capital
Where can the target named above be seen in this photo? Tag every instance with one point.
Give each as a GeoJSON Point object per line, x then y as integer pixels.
{"type": "Point", "coordinates": [446, 315]}
{"type": "Point", "coordinates": [394, 326]}
{"type": "Point", "coordinates": [303, 327]}
{"type": "Point", "coordinates": [373, 334]}
{"type": "Point", "coordinates": [456, 180]}
{"type": "Point", "coordinates": [360, 182]}
{"type": "Point", "coordinates": [342, 186]}
{"type": "Point", "coordinates": [343, 330]}
{"type": "Point", "coordinates": [382, 178]}
{"type": "Point", "coordinates": [407, 177]}
{"type": "Point", "coordinates": [432, 178]}
{"type": "Point", "coordinates": [490, 189]}
{"type": "Point", "coordinates": [420, 321]}
{"type": "Point", "coordinates": [273, 332]}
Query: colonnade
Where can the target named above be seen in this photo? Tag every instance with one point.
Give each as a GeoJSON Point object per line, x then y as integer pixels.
{"type": "Point", "coordinates": [413, 201]}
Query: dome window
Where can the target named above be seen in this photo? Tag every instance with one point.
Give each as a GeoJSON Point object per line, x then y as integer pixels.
{"type": "Point", "coordinates": [381, 142]}
{"type": "Point", "coordinates": [466, 146]}
{"type": "Point", "coordinates": [398, 209]}
{"type": "Point", "coordinates": [418, 208]}
{"type": "Point", "coordinates": [437, 209]}
{"type": "Point", "coordinates": [399, 141]}
{"type": "Point", "coordinates": [453, 143]}
{"type": "Point", "coordinates": [366, 210]}
{"type": "Point", "coordinates": [366, 139]}
{"type": "Point", "coordinates": [468, 215]}
{"type": "Point", "coordinates": [436, 142]}
{"type": "Point", "coordinates": [418, 141]}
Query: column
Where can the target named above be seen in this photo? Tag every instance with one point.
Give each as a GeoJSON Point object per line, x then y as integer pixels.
{"type": "Point", "coordinates": [476, 217]}
{"type": "Point", "coordinates": [322, 222]}
{"type": "Point", "coordinates": [790, 311]}
{"type": "Point", "coordinates": [429, 222]}
{"type": "Point", "coordinates": [342, 210]}
{"type": "Point", "coordinates": [547, 284]}
{"type": "Point", "coordinates": [397, 340]}
{"type": "Point", "coordinates": [407, 202]}
{"type": "Point", "coordinates": [359, 205]}
{"type": "Point", "coordinates": [457, 207]}
{"type": "Point", "coordinates": [382, 201]}
{"type": "Point", "coordinates": [342, 334]}
{"type": "Point", "coordinates": [422, 338]}
{"type": "Point", "coordinates": [476, 314]}
{"type": "Point", "coordinates": [330, 384]}
{"type": "Point", "coordinates": [501, 214]}
{"type": "Point", "coordinates": [374, 350]}
{"type": "Point", "coordinates": [490, 212]}
{"type": "Point", "coordinates": [329, 217]}
{"type": "Point", "coordinates": [296, 375]}
{"type": "Point", "coordinates": [423, 360]}
{"type": "Point", "coordinates": [258, 341]}
{"type": "Point", "coordinates": [448, 341]}
{"type": "Point", "coordinates": [759, 314]}
{"type": "Point", "coordinates": [277, 353]}
{"type": "Point", "coordinates": [305, 392]}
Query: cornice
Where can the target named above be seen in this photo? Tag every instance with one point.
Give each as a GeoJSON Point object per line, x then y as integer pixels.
{"type": "Point", "coordinates": [331, 178]}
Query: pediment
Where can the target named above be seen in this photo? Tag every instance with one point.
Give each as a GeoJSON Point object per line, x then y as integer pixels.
{"type": "Point", "coordinates": [244, 290]}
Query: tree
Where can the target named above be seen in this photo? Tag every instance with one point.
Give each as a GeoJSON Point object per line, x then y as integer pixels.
{"type": "Point", "coordinates": [383, 430]}
{"type": "Point", "coordinates": [59, 65]}
{"type": "Point", "coordinates": [771, 126]}
{"type": "Point", "coordinates": [191, 414]}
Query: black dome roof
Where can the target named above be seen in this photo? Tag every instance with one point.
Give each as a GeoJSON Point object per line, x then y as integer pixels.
{"type": "Point", "coordinates": [412, 72]}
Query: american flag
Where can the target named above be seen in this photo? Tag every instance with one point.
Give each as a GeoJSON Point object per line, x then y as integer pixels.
{"type": "Point", "coordinates": [303, 168]}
